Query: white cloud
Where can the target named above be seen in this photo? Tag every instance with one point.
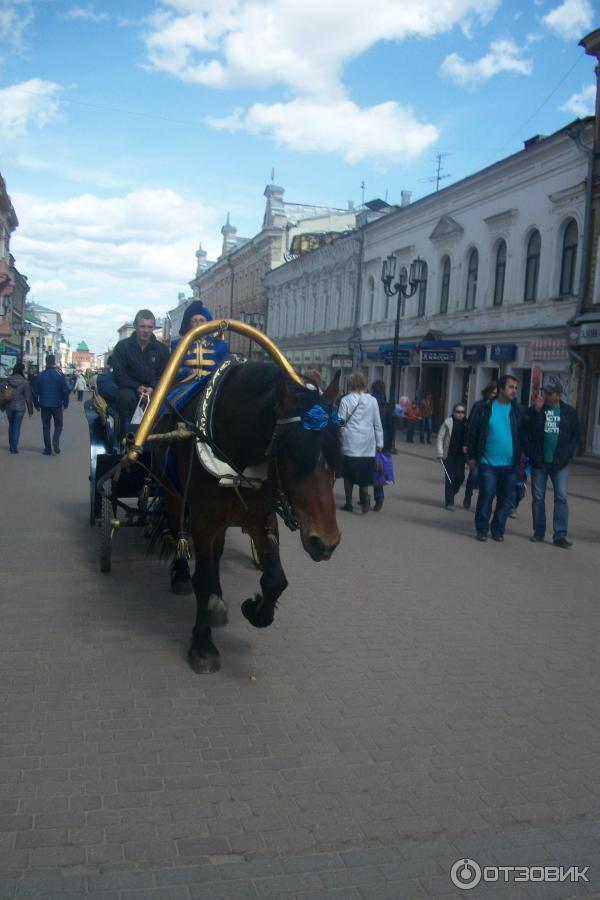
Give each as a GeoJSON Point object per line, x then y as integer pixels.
{"type": "Point", "coordinates": [503, 56]}
{"type": "Point", "coordinates": [386, 132]}
{"type": "Point", "coordinates": [581, 104]}
{"type": "Point", "coordinates": [32, 102]}
{"type": "Point", "coordinates": [571, 20]}
{"type": "Point", "coordinates": [301, 45]}
{"type": "Point", "coordinates": [15, 17]}
{"type": "Point", "coordinates": [86, 14]}
{"type": "Point", "coordinates": [304, 47]}
{"type": "Point", "coordinates": [121, 253]}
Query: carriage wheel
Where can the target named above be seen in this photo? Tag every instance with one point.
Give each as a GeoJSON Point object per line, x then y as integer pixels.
{"type": "Point", "coordinates": [106, 528]}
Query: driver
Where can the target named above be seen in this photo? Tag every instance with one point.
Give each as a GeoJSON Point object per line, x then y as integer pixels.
{"type": "Point", "coordinates": [138, 362]}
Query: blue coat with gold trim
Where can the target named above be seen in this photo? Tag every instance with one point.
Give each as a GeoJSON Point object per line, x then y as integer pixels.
{"type": "Point", "coordinates": [202, 357]}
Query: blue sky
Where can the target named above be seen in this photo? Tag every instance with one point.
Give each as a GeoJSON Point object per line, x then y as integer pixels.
{"type": "Point", "coordinates": [128, 130]}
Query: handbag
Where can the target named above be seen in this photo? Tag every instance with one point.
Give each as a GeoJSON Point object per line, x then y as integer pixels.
{"type": "Point", "coordinates": [6, 394]}
{"type": "Point", "coordinates": [140, 409]}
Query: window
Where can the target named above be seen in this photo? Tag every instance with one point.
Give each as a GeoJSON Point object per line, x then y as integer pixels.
{"type": "Point", "coordinates": [499, 274]}
{"type": "Point", "coordinates": [569, 256]}
{"type": "Point", "coordinates": [339, 310]}
{"type": "Point", "coordinates": [472, 280]}
{"type": "Point", "coordinates": [371, 291]}
{"type": "Point", "coordinates": [315, 307]}
{"type": "Point", "coordinates": [532, 267]}
{"type": "Point", "coordinates": [326, 308]}
{"type": "Point", "coordinates": [422, 293]}
{"type": "Point", "coordinates": [445, 285]}
{"type": "Point", "coordinates": [27, 346]}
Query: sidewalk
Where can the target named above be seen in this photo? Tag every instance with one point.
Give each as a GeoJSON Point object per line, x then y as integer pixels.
{"type": "Point", "coordinates": [420, 699]}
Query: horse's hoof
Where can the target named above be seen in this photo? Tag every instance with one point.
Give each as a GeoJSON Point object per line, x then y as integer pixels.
{"type": "Point", "coordinates": [217, 612]}
{"type": "Point", "coordinates": [204, 663]}
{"type": "Point", "coordinates": [257, 613]}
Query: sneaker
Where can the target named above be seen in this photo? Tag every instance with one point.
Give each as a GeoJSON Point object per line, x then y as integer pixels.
{"type": "Point", "coordinates": [450, 507]}
{"type": "Point", "coordinates": [563, 542]}
{"type": "Point", "coordinates": [347, 507]}
{"type": "Point", "coordinates": [56, 448]}
{"type": "Point", "coordinates": [498, 537]}
{"type": "Point", "coordinates": [537, 538]}
{"type": "Point", "coordinates": [47, 452]}
{"type": "Point", "coordinates": [377, 505]}
{"type": "Point", "coordinates": [481, 536]}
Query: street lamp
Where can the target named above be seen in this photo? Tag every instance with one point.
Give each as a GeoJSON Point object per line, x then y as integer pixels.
{"type": "Point", "coordinates": [39, 343]}
{"type": "Point", "coordinates": [403, 290]}
{"type": "Point", "coordinates": [257, 320]}
{"type": "Point", "coordinates": [23, 330]}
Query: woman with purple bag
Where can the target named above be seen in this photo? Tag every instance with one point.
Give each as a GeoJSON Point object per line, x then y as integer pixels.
{"type": "Point", "coordinates": [383, 466]}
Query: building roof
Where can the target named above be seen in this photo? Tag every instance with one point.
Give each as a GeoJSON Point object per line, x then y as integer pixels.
{"type": "Point", "coordinates": [83, 347]}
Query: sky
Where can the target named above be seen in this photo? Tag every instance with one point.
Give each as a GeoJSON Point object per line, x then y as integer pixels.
{"type": "Point", "coordinates": [129, 129]}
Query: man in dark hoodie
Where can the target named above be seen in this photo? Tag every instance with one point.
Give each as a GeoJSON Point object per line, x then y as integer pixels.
{"type": "Point", "coordinates": [51, 395]}
{"type": "Point", "coordinates": [554, 432]}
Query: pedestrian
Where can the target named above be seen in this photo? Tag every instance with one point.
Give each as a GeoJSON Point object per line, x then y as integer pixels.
{"type": "Point", "coordinates": [494, 444]}
{"type": "Point", "coordinates": [51, 395]}
{"type": "Point", "coordinates": [426, 417]}
{"type": "Point", "coordinates": [553, 431]}
{"type": "Point", "coordinates": [362, 436]}
{"type": "Point", "coordinates": [451, 452]}
{"type": "Point", "coordinates": [383, 472]}
{"type": "Point", "coordinates": [20, 401]}
{"type": "Point", "coordinates": [489, 392]}
{"type": "Point", "coordinates": [411, 415]}
{"type": "Point", "coordinates": [80, 385]}
{"type": "Point", "coordinates": [138, 362]}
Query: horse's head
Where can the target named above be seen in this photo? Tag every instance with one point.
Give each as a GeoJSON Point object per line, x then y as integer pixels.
{"type": "Point", "coordinates": [306, 452]}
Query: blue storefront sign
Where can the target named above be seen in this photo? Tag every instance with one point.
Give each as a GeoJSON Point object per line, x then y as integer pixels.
{"type": "Point", "coordinates": [503, 352]}
{"type": "Point", "coordinates": [474, 353]}
{"type": "Point", "coordinates": [438, 356]}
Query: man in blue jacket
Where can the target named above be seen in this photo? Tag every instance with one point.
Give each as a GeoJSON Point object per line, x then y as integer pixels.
{"type": "Point", "coordinates": [51, 395]}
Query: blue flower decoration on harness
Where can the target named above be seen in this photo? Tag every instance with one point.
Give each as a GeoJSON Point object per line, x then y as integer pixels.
{"type": "Point", "coordinates": [317, 418]}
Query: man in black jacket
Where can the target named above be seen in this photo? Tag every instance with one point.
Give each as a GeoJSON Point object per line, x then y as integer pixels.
{"type": "Point", "coordinates": [494, 444]}
{"type": "Point", "coordinates": [553, 429]}
{"type": "Point", "coordinates": [138, 362]}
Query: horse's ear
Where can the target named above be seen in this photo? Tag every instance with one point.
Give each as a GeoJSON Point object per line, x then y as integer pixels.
{"type": "Point", "coordinates": [332, 392]}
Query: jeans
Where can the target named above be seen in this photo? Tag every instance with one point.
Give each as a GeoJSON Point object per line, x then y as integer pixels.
{"type": "Point", "coordinates": [49, 413]}
{"type": "Point", "coordinates": [455, 466]}
{"type": "Point", "coordinates": [425, 430]}
{"type": "Point", "coordinates": [14, 427]}
{"type": "Point", "coordinates": [494, 481]}
{"type": "Point", "coordinates": [560, 482]}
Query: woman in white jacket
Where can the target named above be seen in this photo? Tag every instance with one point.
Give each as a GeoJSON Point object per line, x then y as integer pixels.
{"type": "Point", "coordinates": [362, 436]}
{"type": "Point", "coordinates": [451, 442]}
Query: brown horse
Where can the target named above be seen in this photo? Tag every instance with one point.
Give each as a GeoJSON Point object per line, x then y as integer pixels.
{"type": "Point", "coordinates": [262, 415]}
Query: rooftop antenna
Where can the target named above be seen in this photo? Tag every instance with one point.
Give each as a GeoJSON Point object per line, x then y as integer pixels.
{"type": "Point", "coordinates": [273, 175]}
{"type": "Point", "coordinates": [386, 195]}
{"type": "Point", "coordinates": [362, 187]}
{"type": "Point", "coordinates": [438, 173]}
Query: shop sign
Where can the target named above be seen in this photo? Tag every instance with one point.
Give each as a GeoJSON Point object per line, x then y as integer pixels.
{"type": "Point", "coordinates": [474, 353]}
{"type": "Point", "coordinates": [438, 356]}
{"type": "Point", "coordinates": [550, 348]}
{"type": "Point", "coordinates": [504, 352]}
{"type": "Point", "coordinates": [589, 334]}
{"type": "Point", "coordinates": [341, 362]}
{"type": "Point", "coordinates": [402, 361]}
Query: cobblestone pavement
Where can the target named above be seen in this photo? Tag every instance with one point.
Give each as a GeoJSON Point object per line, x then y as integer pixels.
{"type": "Point", "coordinates": [421, 698]}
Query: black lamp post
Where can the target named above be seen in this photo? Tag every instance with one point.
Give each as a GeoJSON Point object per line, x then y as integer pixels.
{"type": "Point", "coordinates": [23, 330]}
{"type": "Point", "coordinates": [404, 290]}
{"type": "Point", "coordinates": [257, 320]}
{"type": "Point", "coordinates": [38, 342]}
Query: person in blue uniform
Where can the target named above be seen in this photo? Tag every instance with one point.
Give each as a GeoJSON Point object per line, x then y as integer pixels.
{"type": "Point", "coordinates": [201, 357]}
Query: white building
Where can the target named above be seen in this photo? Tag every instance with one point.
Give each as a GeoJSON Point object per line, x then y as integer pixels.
{"type": "Point", "coordinates": [502, 254]}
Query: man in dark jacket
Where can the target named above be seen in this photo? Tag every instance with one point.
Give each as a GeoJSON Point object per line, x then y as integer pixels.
{"type": "Point", "coordinates": [138, 362]}
{"type": "Point", "coordinates": [51, 395]}
{"type": "Point", "coordinates": [553, 429]}
{"type": "Point", "coordinates": [494, 444]}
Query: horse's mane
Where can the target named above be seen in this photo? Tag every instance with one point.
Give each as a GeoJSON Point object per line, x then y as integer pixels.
{"type": "Point", "coordinates": [264, 384]}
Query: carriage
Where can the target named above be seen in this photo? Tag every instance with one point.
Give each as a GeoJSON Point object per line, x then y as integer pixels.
{"type": "Point", "coordinates": [260, 442]}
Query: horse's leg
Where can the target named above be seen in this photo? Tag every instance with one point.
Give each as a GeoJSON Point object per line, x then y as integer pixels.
{"type": "Point", "coordinates": [180, 570]}
{"type": "Point", "coordinates": [260, 610]}
{"type": "Point", "coordinates": [211, 609]}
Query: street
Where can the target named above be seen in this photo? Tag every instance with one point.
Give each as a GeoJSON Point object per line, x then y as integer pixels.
{"type": "Point", "coordinates": [420, 699]}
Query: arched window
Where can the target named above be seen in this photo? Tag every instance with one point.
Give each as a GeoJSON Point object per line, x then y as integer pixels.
{"type": "Point", "coordinates": [532, 267]}
{"type": "Point", "coordinates": [422, 292]}
{"type": "Point", "coordinates": [471, 297]}
{"type": "Point", "coordinates": [371, 292]}
{"type": "Point", "coordinates": [445, 292]}
{"type": "Point", "coordinates": [27, 346]}
{"type": "Point", "coordinates": [499, 274]}
{"type": "Point", "coordinates": [569, 256]}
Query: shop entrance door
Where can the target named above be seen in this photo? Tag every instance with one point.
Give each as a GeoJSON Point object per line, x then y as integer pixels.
{"type": "Point", "coordinates": [433, 380]}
